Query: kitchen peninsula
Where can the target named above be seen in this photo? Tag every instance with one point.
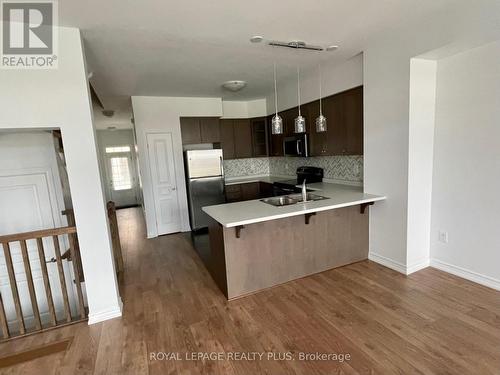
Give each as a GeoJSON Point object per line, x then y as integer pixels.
{"type": "Point", "coordinates": [255, 245]}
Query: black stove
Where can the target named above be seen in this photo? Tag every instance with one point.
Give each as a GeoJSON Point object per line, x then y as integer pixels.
{"type": "Point", "coordinates": [309, 174]}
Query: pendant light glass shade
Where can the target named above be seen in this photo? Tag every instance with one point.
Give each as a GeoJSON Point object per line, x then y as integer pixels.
{"type": "Point", "coordinates": [321, 124]}
{"type": "Point", "coordinates": [277, 121]}
{"type": "Point", "coordinates": [320, 120]}
{"type": "Point", "coordinates": [300, 124]}
{"type": "Point", "coordinates": [300, 121]}
{"type": "Point", "coordinates": [277, 124]}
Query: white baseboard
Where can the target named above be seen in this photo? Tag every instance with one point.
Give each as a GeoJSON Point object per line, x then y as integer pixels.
{"type": "Point", "coordinates": [389, 263]}
{"type": "Point", "coordinates": [398, 266]}
{"type": "Point", "coordinates": [488, 281]}
{"type": "Point", "coordinates": [111, 313]}
{"type": "Point", "coordinates": [417, 266]}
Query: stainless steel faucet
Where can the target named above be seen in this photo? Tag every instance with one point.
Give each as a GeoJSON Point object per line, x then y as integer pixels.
{"type": "Point", "coordinates": [304, 191]}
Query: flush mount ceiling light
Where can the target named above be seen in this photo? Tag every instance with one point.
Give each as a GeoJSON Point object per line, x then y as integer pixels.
{"type": "Point", "coordinates": [108, 112]}
{"type": "Point", "coordinates": [332, 48]}
{"type": "Point", "coordinates": [256, 39]}
{"type": "Point", "coordinates": [234, 85]}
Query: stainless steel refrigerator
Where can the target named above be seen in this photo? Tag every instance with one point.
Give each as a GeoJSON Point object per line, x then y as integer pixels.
{"type": "Point", "coordinates": [205, 183]}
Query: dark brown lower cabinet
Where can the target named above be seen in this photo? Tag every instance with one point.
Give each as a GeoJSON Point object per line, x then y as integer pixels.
{"type": "Point", "coordinates": [266, 189]}
{"type": "Point", "coordinates": [233, 193]}
{"type": "Point", "coordinates": [248, 191]}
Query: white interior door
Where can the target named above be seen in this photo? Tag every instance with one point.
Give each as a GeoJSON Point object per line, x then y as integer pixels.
{"type": "Point", "coordinates": [163, 177]}
{"type": "Point", "coordinates": [26, 201]}
{"type": "Point", "coordinates": [120, 170]}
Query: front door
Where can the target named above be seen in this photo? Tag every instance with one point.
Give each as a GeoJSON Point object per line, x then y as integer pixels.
{"type": "Point", "coordinates": [163, 177]}
{"type": "Point", "coordinates": [121, 174]}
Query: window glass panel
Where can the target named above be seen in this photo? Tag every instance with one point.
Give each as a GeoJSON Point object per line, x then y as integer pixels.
{"type": "Point", "coordinates": [110, 150]}
{"type": "Point", "coordinates": [120, 173]}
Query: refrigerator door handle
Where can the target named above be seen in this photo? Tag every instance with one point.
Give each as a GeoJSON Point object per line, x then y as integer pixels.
{"type": "Point", "coordinates": [222, 175]}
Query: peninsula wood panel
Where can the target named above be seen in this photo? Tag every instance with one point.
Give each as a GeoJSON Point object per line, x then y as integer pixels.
{"type": "Point", "coordinates": [276, 251]}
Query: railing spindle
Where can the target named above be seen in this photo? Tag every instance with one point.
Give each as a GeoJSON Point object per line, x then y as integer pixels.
{"type": "Point", "coordinates": [13, 287]}
{"type": "Point", "coordinates": [76, 271]}
{"type": "Point", "coordinates": [3, 320]}
{"type": "Point", "coordinates": [62, 280]}
{"type": "Point", "coordinates": [46, 282]}
{"type": "Point", "coordinates": [31, 286]}
{"type": "Point", "coordinates": [72, 254]}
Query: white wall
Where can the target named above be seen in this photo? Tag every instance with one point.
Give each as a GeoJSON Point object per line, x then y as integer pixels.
{"type": "Point", "coordinates": [420, 159]}
{"type": "Point", "coordinates": [244, 109]}
{"type": "Point", "coordinates": [335, 78]}
{"type": "Point", "coordinates": [467, 165]}
{"type": "Point", "coordinates": [60, 98]}
{"type": "Point", "coordinates": [161, 114]}
{"type": "Point", "coordinates": [387, 117]}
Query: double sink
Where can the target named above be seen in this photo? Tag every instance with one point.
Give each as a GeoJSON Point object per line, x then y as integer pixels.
{"type": "Point", "coordinates": [287, 200]}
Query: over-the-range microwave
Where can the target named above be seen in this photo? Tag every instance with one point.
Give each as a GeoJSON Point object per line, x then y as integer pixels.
{"type": "Point", "coordinates": [296, 145]}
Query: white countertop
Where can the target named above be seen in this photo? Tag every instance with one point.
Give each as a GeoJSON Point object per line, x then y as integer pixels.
{"type": "Point", "coordinates": [255, 211]}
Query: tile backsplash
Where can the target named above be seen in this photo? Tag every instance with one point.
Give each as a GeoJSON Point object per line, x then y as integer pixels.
{"type": "Point", "coordinates": [246, 167]}
{"type": "Point", "coordinates": [341, 169]}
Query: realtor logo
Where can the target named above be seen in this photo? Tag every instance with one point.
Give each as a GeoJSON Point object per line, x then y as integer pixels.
{"type": "Point", "coordinates": [29, 35]}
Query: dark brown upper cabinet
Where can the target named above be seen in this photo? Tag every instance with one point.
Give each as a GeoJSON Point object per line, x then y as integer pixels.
{"type": "Point", "coordinates": [353, 119]}
{"type": "Point", "coordinates": [190, 130]}
{"type": "Point", "coordinates": [236, 138]}
{"type": "Point", "coordinates": [318, 142]}
{"type": "Point", "coordinates": [242, 138]}
{"type": "Point", "coordinates": [199, 130]}
{"type": "Point", "coordinates": [275, 140]}
{"type": "Point", "coordinates": [288, 117]}
{"type": "Point", "coordinates": [259, 137]}
{"type": "Point", "coordinates": [209, 129]}
{"type": "Point", "coordinates": [227, 138]}
{"type": "Point", "coordinates": [344, 116]}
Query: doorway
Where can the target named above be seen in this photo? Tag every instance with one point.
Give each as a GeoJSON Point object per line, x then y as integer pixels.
{"type": "Point", "coordinates": [163, 178]}
{"type": "Point", "coordinates": [119, 166]}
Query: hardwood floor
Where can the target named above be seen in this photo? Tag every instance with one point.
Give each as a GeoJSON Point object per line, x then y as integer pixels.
{"type": "Point", "coordinates": [428, 323]}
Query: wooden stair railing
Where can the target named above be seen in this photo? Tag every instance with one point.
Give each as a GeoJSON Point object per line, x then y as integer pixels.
{"type": "Point", "coordinates": [70, 217]}
{"type": "Point", "coordinates": [115, 238]}
{"type": "Point", "coordinates": [38, 236]}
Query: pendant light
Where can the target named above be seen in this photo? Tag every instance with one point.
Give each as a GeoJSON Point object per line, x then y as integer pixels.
{"type": "Point", "coordinates": [320, 120]}
{"type": "Point", "coordinates": [300, 121]}
{"type": "Point", "coordinates": [277, 121]}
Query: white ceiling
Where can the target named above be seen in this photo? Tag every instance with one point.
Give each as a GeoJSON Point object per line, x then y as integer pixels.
{"type": "Point", "coordinates": [189, 47]}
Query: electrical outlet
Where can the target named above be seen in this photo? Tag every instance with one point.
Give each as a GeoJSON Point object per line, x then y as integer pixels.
{"type": "Point", "coordinates": [443, 236]}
